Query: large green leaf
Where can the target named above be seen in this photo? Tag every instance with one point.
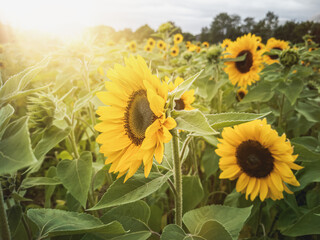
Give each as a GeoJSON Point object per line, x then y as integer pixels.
{"type": "Point", "coordinates": [232, 219]}
{"type": "Point", "coordinates": [53, 222]}
{"type": "Point", "coordinates": [15, 147]}
{"type": "Point", "coordinates": [222, 120]}
{"type": "Point", "coordinates": [309, 174]}
{"type": "Point", "coordinates": [5, 115]}
{"type": "Point", "coordinates": [261, 93]}
{"type": "Point", "coordinates": [173, 231]}
{"type": "Point", "coordinates": [38, 181]}
{"type": "Point", "coordinates": [291, 90]}
{"type": "Point", "coordinates": [210, 162]}
{"type": "Point", "coordinates": [75, 176]}
{"type": "Point", "coordinates": [185, 86]}
{"type": "Point", "coordinates": [212, 230]}
{"type": "Point", "coordinates": [136, 188]}
{"type": "Point", "coordinates": [193, 121]}
{"type": "Point", "coordinates": [310, 111]}
{"type": "Point", "coordinates": [307, 224]}
{"type": "Point", "coordinates": [192, 192]}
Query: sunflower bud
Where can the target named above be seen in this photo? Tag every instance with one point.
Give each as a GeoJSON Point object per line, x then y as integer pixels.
{"type": "Point", "coordinates": [214, 53]}
{"type": "Point", "coordinates": [289, 58]}
{"type": "Point", "coordinates": [187, 56]}
{"type": "Point", "coordinates": [41, 109]}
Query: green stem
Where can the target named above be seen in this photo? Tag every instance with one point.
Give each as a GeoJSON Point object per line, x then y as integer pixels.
{"type": "Point", "coordinates": [177, 177]}
{"type": "Point", "coordinates": [281, 111]}
{"type": "Point", "coordinates": [72, 138]}
{"type": "Point", "coordinates": [4, 226]}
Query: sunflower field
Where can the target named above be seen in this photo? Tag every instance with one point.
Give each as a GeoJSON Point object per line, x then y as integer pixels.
{"type": "Point", "coordinates": [160, 139]}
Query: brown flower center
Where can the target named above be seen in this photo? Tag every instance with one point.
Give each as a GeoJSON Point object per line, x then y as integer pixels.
{"type": "Point", "coordinates": [245, 65]}
{"type": "Point", "coordinates": [240, 95]}
{"type": "Point", "coordinates": [254, 159]}
{"type": "Point", "coordinates": [179, 104]}
{"type": "Point", "coordinates": [275, 56]}
{"type": "Point", "coordinates": [138, 116]}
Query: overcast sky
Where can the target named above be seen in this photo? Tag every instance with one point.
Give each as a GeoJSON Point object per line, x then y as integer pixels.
{"type": "Point", "coordinates": [72, 15]}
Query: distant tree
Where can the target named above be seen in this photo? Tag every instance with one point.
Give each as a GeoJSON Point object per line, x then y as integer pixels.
{"type": "Point", "coordinates": [248, 25]}
{"type": "Point", "coordinates": [125, 34]}
{"type": "Point", "coordinates": [205, 34]}
{"type": "Point", "coordinates": [267, 26]}
{"type": "Point", "coordinates": [188, 36]}
{"type": "Point", "coordinates": [143, 32]}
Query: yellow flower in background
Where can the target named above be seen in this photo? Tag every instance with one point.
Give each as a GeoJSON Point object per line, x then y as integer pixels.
{"type": "Point", "coordinates": [132, 46]}
{"type": "Point", "coordinates": [161, 45]}
{"type": "Point", "coordinates": [262, 161]}
{"type": "Point", "coordinates": [133, 125]}
{"type": "Point", "coordinates": [241, 93]}
{"type": "Point", "coordinates": [188, 43]}
{"type": "Point", "coordinates": [198, 49]}
{"type": "Point", "coordinates": [261, 47]}
{"type": "Point", "coordinates": [274, 44]}
{"type": "Point", "coordinates": [246, 72]}
{"type": "Point", "coordinates": [258, 38]}
{"type": "Point", "coordinates": [174, 51]}
{"type": "Point", "coordinates": [178, 38]}
{"type": "Point", "coordinates": [186, 99]}
{"type": "Point", "coordinates": [205, 44]}
{"type": "Point", "coordinates": [191, 48]}
{"type": "Point", "coordinates": [147, 48]}
{"type": "Point", "coordinates": [226, 43]}
{"type": "Point", "coordinates": [151, 42]}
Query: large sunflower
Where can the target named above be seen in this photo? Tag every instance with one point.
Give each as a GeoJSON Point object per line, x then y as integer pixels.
{"type": "Point", "coordinates": [274, 44]}
{"type": "Point", "coordinates": [245, 72]}
{"type": "Point", "coordinates": [260, 159]}
{"type": "Point", "coordinates": [134, 126]}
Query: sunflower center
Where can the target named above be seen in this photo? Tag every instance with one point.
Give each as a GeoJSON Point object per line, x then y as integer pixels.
{"type": "Point", "coordinates": [138, 116]}
{"type": "Point", "coordinates": [255, 160]}
{"type": "Point", "coordinates": [245, 65]}
{"type": "Point", "coordinates": [240, 95]}
{"type": "Point", "coordinates": [179, 104]}
{"type": "Point", "coordinates": [275, 56]}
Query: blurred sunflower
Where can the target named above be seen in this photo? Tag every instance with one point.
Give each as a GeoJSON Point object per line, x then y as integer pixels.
{"type": "Point", "coordinates": [191, 47]}
{"type": "Point", "coordinates": [134, 126]}
{"type": "Point", "coordinates": [147, 48]}
{"type": "Point", "coordinates": [246, 72]}
{"type": "Point", "coordinates": [186, 99]}
{"type": "Point", "coordinates": [261, 160]}
{"type": "Point", "coordinates": [161, 44]}
{"type": "Point", "coordinates": [177, 38]}
{"type": "Point", "coordinates": [241, 93]}
{"type": "Point", "coordinates": [198, 49]}
{"type": "Point", "coordinates": [274, 44]}
{"type": "Point", "coordinates": [132, 46]}
{"type": "Point", "coordinates": [205, 44]}
{"type": "Point", "coordinates": [226, 43]}
{"type": "Point", "coordinates": [151, 42]}
{"type": "Point", "coordinates": [174, 51]}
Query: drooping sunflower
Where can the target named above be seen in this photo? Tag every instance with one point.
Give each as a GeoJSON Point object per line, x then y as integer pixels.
{"type": "Point", "coordinates": [186, 99]}
{"type": "Point", "coordinates": [174, 51]}
{"type": "Point", "coordinates": [262, 161]}
{"type": "Point", "coordinates": [274, 44]}
{"type": "Point", "coordinates": [241, 93]}
{"type": "Point", "coordinates": [246, 72]}
{"type": "Point", "coordinates": [132, 46]}
{"type": "Point", "coordinates": [161, 44]}
{"type": "Point", "coordinates": [151, 42]}
{"type": "Point", "coordinates": [147, 48]}
{"type": "Point", "coordinates": [205, 44]}
{"type": "Point", "coordinates": [177, 38]}
{"type": "Point", "coordinates": [134, 126]}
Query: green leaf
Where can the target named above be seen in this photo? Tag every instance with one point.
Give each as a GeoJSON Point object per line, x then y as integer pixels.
{"type": "Point", "coordinates": [75, 176]}
{"type": "Point", "coordinates": [309, 174]}
{"type": "Point", "coordinates": [222, 120]}
{"type": "Point", "coordinates": [305, 155]}
{"type": "Point", "coordinates": [261, 93]}
{"type": "Point", "coordinates": [136, 188]}
{"type": "Point", "coordinates": [171, 232]}
{"type": "Point", "coordinates": [212, 230]}
{"type": "Point", "coordinates": [231, 218]}
{"type": "Point", "coordinates": [309, 111]}
{"type": "Point", "coordinates": [237, 59]}
{"type": "Point", "coordinates": [210, 162]}
{"type": "Point", "coordinates": [14, 217]}
{"type": "Point", "coordinates": [16, 84]}
{"type": "Point", "coordinates": [38, 181]}
{"type": "Point", "coordinates": [193, 121]}
{"type": "Point", "coordinates": [53, 222]}
{"type": "Point", "coordinates": [307, 224]}
{"type": "Point", "coordinates": [5, 115]}
{"type": "Point", "coordinates": [291, 90]}
{"type": "Point", "coordinates": [192, 192]}
{"type": "Point", "coordinates": [185, 86]}
{"type": "Point", "coordinates": [16, 137]}
{"type": "Point", "coordinates": [142, 235]}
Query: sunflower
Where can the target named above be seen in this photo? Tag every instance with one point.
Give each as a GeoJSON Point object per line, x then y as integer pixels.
{"type": "Point", "coordinates": [134, 126]}
{"type": "Point", "coordinates": [191, 47]}
{"type": "Point", "coordinates": [188, 43]}
{"type": "Point", "coordinates": [147, 48]}
{"type": "Point", "coordinates": [244, 72]}
{"type": "Point", "coordinates": [205, 44]}
{"type": "Point", "coordinates": [274, 44]}
{"type": "Point", "coordinates": [151, 42]}
{"type": "Point", "coordinates": [161, 44]}
{"type": "Point", "coordinates": [174, 51]}
{"type": "Point", "coordinates": [186, 99]}
{"type": "Point", "coordinates": [132, 46]}
{"type": "Point", "coordinates": [241, 93]}
{"type": "Point", "coordinates": [261, 160]}
{"type": "Point", "coordinates": [177, 38]}
{"type": "Point", "coordinates": [225, 44]}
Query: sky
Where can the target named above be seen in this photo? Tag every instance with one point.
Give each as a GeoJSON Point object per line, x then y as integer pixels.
{"type": "Point", "coordinates": [72, 16]}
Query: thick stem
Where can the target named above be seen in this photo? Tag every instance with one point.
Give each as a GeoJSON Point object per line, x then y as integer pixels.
{"type": "Point", "coordinates": [177, 177]}
{"type": "Point", "coordinates": [281, 111]}
{"type": "Point", "coordinates": [4, 226]}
